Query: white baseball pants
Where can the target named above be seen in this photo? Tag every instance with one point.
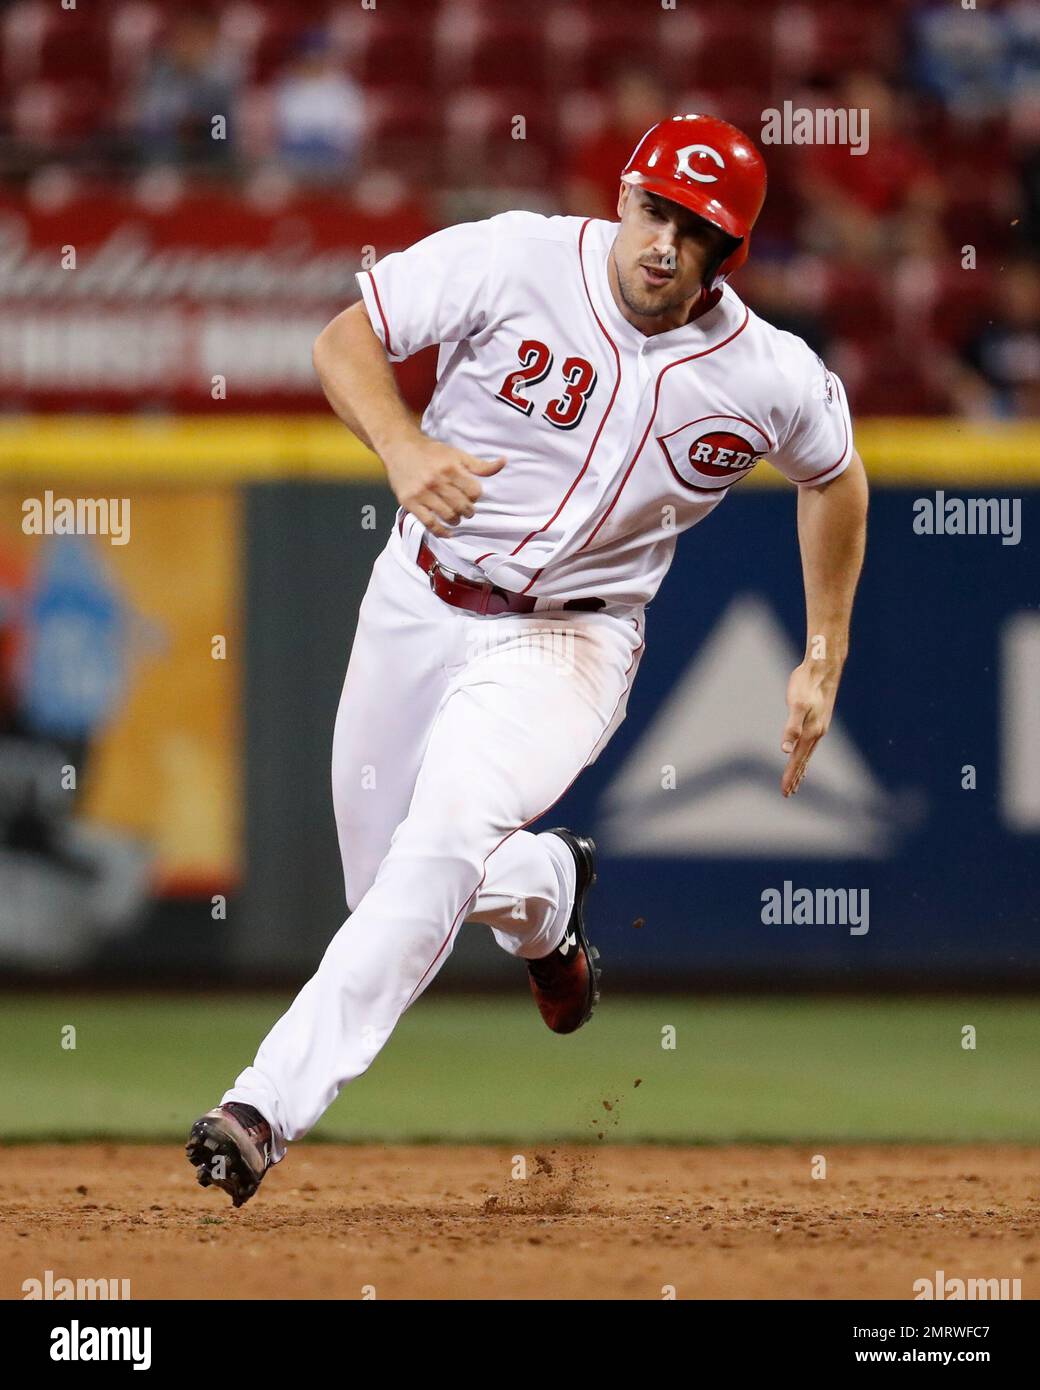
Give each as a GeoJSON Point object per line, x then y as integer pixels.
{"type": "Point", "coordinates": [453, 733]}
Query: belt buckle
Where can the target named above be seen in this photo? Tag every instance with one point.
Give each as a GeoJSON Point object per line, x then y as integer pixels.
{"type": "Point", "coordinates": [454, 578]}
{"type": "Point", "coordinates": [450, 576]}
{"type": "Point", "coordinates": [437, 568]}
{"type": "Point", "coordinates": [488, 589]}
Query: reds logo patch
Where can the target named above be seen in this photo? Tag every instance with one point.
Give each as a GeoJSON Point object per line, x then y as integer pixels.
{"type": "Point", "coordinates": [712, 453]}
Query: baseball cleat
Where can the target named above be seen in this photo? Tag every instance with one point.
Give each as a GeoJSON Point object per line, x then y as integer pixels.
{"type": "Point", "coordinates": [565, 984]}
{"type": "Point", "coordinates": [231, 1148]}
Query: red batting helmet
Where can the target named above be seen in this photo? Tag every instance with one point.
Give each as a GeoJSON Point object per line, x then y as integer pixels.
{"type": "Point", "coordinates": [708, 166]}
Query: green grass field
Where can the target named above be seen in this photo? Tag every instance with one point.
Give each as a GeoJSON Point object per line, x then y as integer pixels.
{"type": "Point", "coordinates": [485, 1069]}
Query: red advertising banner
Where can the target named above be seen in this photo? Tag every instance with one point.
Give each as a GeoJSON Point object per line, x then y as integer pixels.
{"type": "Point", "coordinates": [111, 303]}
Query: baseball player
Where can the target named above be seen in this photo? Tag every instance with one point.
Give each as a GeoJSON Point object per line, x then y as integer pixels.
{"type": "Point", "coordinates": [600, 389]}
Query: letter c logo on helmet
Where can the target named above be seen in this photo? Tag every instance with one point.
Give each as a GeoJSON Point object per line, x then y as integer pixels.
{"type": "Point", "coordinates": [682, 162]}
{"type": "Point", "coordinates": [709, 167]}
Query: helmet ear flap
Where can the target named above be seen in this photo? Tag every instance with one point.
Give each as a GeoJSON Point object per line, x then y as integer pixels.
{"type": "Point", "coordinates": [732, 256]}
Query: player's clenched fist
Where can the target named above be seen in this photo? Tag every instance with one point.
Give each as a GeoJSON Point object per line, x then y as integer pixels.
{"type": "Point", "coordinates": [436, 482]}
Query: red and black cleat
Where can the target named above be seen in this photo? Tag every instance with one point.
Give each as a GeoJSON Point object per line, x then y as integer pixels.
{"type": "Point", "coordinates": [231, 1148]}
{"type": "Point", "coordinates": [565, 984]}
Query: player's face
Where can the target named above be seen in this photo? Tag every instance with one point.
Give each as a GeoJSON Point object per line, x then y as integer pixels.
{"type": "Point", "coordinates": [661, 254]}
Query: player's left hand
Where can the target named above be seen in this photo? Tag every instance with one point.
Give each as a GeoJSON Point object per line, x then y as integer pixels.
{"type": "Point", "coordinates": [811, 693]}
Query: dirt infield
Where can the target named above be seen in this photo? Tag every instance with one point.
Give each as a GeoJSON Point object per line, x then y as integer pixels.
{"type": "Point", "coordinates": [607, 1222]}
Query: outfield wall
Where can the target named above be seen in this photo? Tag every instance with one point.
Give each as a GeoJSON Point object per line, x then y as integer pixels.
{"type": "Point", "coordinates": [916, 832]}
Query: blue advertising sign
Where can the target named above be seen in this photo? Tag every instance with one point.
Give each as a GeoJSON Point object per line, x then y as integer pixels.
{"type": "Point", "coordinates": [912, 847]}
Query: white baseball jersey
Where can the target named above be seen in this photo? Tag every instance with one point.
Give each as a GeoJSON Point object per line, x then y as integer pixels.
{"type": "Point", "coordinates": [615, 442]}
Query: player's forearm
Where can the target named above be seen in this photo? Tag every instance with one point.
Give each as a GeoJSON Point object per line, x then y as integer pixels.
{"type": "Point", "coordinates": [359, 384]}
{"type": "Point", "coordinates": [832, 529]}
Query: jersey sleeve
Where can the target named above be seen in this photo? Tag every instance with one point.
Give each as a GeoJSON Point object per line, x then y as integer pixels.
{"type": "Point", "coordinates": [438, 291]}
{"type": "Point", "coordinates": [817, 444]}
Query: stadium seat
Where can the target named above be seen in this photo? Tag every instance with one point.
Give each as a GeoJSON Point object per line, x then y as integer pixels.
{"type": "Point", "coordinates": [254, 122]}
{"type": "Point", "coordinates": [733, 43]}
{"type": "Point", "coordinates": [73, 52]}
{"type": "Point", "coordinates": [392, 52]}
{"type": "Point", "coordinates": [826, 42]}
{"type": "Point", "coordinates": [133, 31]}
{"type": "Point", "coordinates": [856, 304]}
{"type": "Point", "coordinates": [479, 146]}
{"type": "Point", "coordinates": [612, 44]}
{"type": "Point", "coordinates": [275, 48]}
{"type": "Point", "coordinates": [962, 304]}
{"type": "Point", "coordinates": [404, 132]}
{"type": "Point", "coordinates": [508, 51]}
{"type": "Point", "coordinates": [65, 114]}
{"type": "Point", "coordinates": [22, 29]}
{"type": "Point", "coordinates": [896, 382]}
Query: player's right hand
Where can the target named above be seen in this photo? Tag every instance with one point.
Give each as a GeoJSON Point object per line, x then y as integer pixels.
{"type": "Point", "coordinates": [436, 482]}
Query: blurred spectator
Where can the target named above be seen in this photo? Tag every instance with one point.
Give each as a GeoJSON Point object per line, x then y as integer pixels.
{"type": "Point", "coordinates": [319, 113]}
{"type": "Point", "coordinates": [999, 371]}
{"type": "Point", "coordinates": [974, 60]}
{"type": "Point", "coordinates": [867, 206]}
{"type": "Point", "coordinates": [636, 102]}
{"type": "Point", "coordinates": [1023, 30]}
{"type": "Point", "coordinates": [961, 58]}
{"type": "Point", "coordinates": [190, 83]}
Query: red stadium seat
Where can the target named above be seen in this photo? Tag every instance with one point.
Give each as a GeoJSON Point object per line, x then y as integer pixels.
{"type": "Point", "coordinates": [962, 305]}
{"type": "Point", "coordinates": [828, 42]}
{"type": "Point", "coordinates": [254, 122]}
{"type": "Point", "coordinates": [733, 44]}
{"type": "Point", "coordinates": [975, 165]}
{"type": "Point", "coordinates": [394, 52]}
{"type": "Point", "coordinates": [856, 304]}
{"type": "Point", "coordinates": [508, 51]}
{"type": "Point", "coordinates": [276, 48]}
{"type": "Point", "coordinates": [613, 44]}
{"type": "Point", "coordinates": [48, 44]}
{"type": "Point", "coordinates": [22, 30]}
{"type": "Point", "coordinates": [74, 55]}
{"type": "Point", "coordinates": [45, 113]}
{"type": "Point", "coordinates": [405, 133]}
{"type": "Point", "coordinates": [310, 14]}
{"type": "Point", "coordinates": [480, 148]}
{"type": "Point", "coordinates": [896, 381]}
{"type": "Point", "coordinates": [474, 117]}
{"type": "Point", "coordinates": [404, 113]}
{"type": "Point", "coordinates": [133, 32]}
